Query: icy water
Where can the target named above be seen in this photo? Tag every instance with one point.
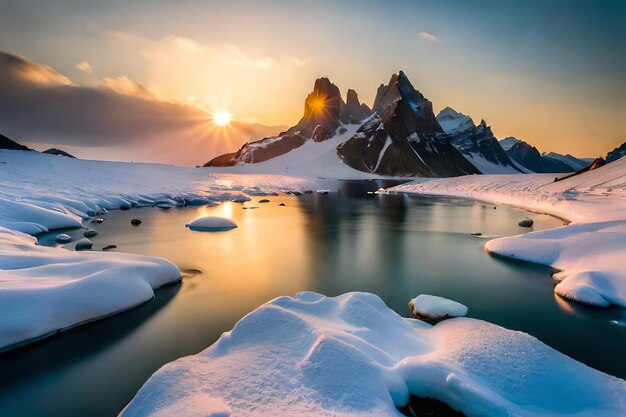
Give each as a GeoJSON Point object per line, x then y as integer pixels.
{"type": "Point", "coordinates": [394, 246]}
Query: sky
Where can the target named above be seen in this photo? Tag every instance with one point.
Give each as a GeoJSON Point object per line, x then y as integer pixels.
{"type": "Point", "coordinates": [549, 72]}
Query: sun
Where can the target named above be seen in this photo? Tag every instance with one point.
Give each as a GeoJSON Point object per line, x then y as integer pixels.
{"type": "Point", "coordinates": [222, 118]}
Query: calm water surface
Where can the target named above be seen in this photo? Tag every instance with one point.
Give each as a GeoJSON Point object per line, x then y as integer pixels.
{"type": "Point", "coordinates": [394, 246]}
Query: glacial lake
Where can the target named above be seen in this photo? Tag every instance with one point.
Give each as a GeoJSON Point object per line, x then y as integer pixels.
{"type": "Point", "coordinates": [393, 246]}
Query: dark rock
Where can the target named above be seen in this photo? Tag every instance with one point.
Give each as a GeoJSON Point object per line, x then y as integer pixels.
{"type": "Point", "coordinates": [525, 222]}
{"type": "Point", "coordinates": [265, 200]}
{"type": "Point", "coordinates": [6, 143]}
{"type": "Point", "coordinates": [58, 152]}
{"type": "Point", "coordinates": [250, 207]}
{"type": "Point", "coordinates": [97, 220]}
{"type": "Point", "coordinates": [308, 191]}
{"type": "Point", "coordinates": [135, 222]}
{"type": "Point", "coordinates": [83, 244]}
{"type": "Point", "coordinates": [109, 247]}
{"type": "Point", "coordinates": [616, 153]}
{"type": "Point", "coordinates": [90, 233]}
{"type": "Point", "coordinates": [125, 207]}
{"type": "Point", "coordinates": [477, 234]}
{"type": "Point", "coordinates": [281, 205]}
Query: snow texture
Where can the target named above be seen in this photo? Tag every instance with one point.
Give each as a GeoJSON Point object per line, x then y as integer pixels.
{"type": "Point", "coordinates": [589, 252]}
{"type": "Point", "coordinates": [352, 356]}
{"type": "Point", "coordinates": [44, 290]}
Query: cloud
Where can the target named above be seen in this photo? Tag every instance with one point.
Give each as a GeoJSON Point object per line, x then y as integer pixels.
{"type": "Point", "coordinates": [428, 37]}
{"type": "Point", "coordinates": [119, 119]}
{"type": "Point", "coordinates": [125, 86]}
{"type": "Point", "coordinates": [85, 67]}
{"type": "Point", "coordinates": [13, 66]}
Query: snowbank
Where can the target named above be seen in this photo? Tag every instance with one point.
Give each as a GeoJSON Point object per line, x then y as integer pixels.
{"type": "Point", "coordinates": [352, 356]}
{"type": "Point", "coordinates": [589, 252]}
{"type": "Point", "coordinates": [39, 192]}
{"type": "Point", "coordinates": [44, 290]}
{"type": "Point", "coordinates": [434, 309]}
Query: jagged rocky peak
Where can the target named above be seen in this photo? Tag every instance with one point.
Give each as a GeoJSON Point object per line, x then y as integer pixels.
{"type": "Point", "coordinates": [616, 153]}
{"type": "Point", "coordinates": [322, 111]}
{"type": "Point", "coordinates": [381, 92]}
{"type": "Point", "coordinates": [354, 112]}
{"type": "Point", "coordinates": [403, 138]}
{"type": "Point", "coordinates": [451, 121]}
{"type": "Point", "coordinates": [6, 143]}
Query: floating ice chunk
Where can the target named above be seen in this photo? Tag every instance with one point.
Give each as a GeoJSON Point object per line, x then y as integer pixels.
{"type": "Point", "coordinates": [211, 224]}
{"type": "Point", "coordinates": [63, 238]}
{"type": "Point", "coordinates": [433, 309]}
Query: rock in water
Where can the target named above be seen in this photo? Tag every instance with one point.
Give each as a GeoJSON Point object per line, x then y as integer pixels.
{"type": "Point", "coordinates": [135, 222]}
{"type": "Point", "coordinates": [211, 224]}
{"type": "Point", "coordinates": [90, 233]}
{"type": "Point", "coordinates": [83, 244]}
{"type": "Point", "coordinates": [525, 222]}
{"type": "Point", "coordinates": [433, 309]}
{"type": "Point", "coordinates": [63, 238]}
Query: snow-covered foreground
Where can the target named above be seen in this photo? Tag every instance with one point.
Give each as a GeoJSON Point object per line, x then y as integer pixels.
{"type": "Point", "coordinates": [352, 356]}
{"type": "Point", "coordinates": [589, 252]}
{"type": "Point", "coordinates": [43, 290]}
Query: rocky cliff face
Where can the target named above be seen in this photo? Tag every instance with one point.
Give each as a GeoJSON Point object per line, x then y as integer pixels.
{"type": "Point", "coordinates": [6, 143]}
{"type": "Point", "coordinates": [616, 153]}
{"type": "Point", "coordinates": [476, 143]}
{"type": "Point", "coordinates": [403, 138]}
{"type": "Point", "coordinates": [529, 157]}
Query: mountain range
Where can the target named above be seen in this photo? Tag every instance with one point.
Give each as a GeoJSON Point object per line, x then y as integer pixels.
{"type": "Point", "coordinates": [400, 136]}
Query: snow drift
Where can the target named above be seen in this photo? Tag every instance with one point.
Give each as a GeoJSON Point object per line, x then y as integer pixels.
{"type": "Point", "coordinates": [352, 356]}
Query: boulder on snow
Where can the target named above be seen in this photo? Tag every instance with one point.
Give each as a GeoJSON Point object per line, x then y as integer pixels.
{"type": "Point", "coordinates": [211, 224]}
{"type": "Point", "coordinates": [525, 222]}
{"type": "Point", "coordinates": [90, 233]}
{"type": "Point", "coordinates": [433, 309]}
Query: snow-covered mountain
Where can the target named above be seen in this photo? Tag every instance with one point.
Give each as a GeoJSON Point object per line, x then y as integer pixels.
{"type": "Point", "coordinates": [576, 163]}
{"type": "Point", "coordinates": [476, 143]}
{"type": "Point", "coordinates": [403, 137]}
{"type": "Point", "coordinates": [616, 153]}
{"type": "Point", "coordinates": [400, 138]}
{"type": "Point", "coordinates": [530, 158]}
{"type": "Point", "coordinates": [508, 142]}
